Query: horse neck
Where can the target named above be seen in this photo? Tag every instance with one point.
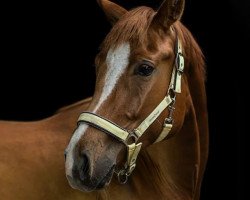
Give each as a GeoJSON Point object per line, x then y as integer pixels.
{"type": "Point", "coordinates": [171, 167]}
{"type": "Point", "coordinates": [197, 90]}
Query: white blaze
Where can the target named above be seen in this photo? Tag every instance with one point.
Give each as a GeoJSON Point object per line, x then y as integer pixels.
{"type": "Point", "coordinates": [117, 60]}
{"type": "Point", "coordinates": [79, 132]}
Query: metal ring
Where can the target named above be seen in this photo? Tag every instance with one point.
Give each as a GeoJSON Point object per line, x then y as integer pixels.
{"type": "Point", "coordinates": [132, 136]}
{"type": "Point", "coordinates": [122, 177]}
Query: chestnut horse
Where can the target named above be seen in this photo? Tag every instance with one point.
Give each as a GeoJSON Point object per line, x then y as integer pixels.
{"type": "Point", "coordinates": [141, 78]}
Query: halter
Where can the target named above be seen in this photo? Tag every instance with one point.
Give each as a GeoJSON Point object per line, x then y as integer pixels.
{"type": "Point", "coordinates": [126, 136]}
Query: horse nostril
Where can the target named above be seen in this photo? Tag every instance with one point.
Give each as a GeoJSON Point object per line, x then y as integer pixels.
{"type": "Point", "coordinates": [84, 167]}
{"type": "Point", "coordinates": [65, 155]}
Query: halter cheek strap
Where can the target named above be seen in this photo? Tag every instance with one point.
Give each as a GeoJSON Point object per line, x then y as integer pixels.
{"type": "Point", "coordinates": [125, 136]}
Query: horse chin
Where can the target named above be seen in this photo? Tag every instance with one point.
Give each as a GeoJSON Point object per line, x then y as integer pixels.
{"type": "Point", "coordinates": [106, 180]}
{"type": "Point", "coordinates": [89, 185]}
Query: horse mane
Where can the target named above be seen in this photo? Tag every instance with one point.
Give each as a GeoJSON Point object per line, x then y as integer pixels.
{"type": "Point", "coordinates": [133, 27]}
{"type": "Point", "coordinates": [192, 52]}
{"type": "Point", "coordinates": [76, 104]}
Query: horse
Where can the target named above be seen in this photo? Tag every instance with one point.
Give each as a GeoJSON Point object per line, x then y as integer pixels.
{"type": "Point", "coordinates": [143, 134]}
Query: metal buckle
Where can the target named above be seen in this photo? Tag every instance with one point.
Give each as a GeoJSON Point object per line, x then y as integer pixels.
{"type": "Point", "coordinates": [180, 63]}
{"type": "Point", "coordinates": [169, 119]}
{"type": "Point", "coordinates": [171, 108]}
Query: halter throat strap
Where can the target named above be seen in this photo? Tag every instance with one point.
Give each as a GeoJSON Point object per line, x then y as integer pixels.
{"type": "Point", "coordinates": [126, 136]}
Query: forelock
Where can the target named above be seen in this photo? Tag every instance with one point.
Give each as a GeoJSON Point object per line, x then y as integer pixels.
{"type": "Point", "coordinates": [132, 28]}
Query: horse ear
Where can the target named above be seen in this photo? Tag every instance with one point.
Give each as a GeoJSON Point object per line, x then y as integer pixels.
{"type": "Point", "coordinates": [112, 10]}
{"type": "Point", "coordinates": [169, 12]}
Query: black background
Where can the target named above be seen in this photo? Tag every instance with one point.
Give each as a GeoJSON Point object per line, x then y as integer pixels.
{"type": "Point", "coordinates": [47, 61]}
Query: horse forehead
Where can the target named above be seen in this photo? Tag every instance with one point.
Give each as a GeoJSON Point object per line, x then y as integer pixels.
{"type": "Point", "coordinates": [118, 57]}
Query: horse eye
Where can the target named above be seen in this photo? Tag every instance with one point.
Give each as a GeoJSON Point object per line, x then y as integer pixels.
{"type": "Point", "coordinates": [144, 70]}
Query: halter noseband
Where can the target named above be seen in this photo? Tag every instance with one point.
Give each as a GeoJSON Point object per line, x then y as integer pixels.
{"type": "Point", "coordinates": [125, 136]}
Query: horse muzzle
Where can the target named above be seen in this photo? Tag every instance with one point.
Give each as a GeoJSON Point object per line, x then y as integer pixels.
{"type": "Point", "coordinates": [88, 176]}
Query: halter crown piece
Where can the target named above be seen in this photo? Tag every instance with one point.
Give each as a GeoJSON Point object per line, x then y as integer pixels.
{"type": "Point", "coordinates": [125, 136]}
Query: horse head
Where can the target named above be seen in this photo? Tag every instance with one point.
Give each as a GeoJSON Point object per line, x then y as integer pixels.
{"type": "Point", "coordinates": [136, 74]}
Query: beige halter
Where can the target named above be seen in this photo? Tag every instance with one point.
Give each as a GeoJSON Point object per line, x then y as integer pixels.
{"type": "Point", "coordinates": [125, 136]}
